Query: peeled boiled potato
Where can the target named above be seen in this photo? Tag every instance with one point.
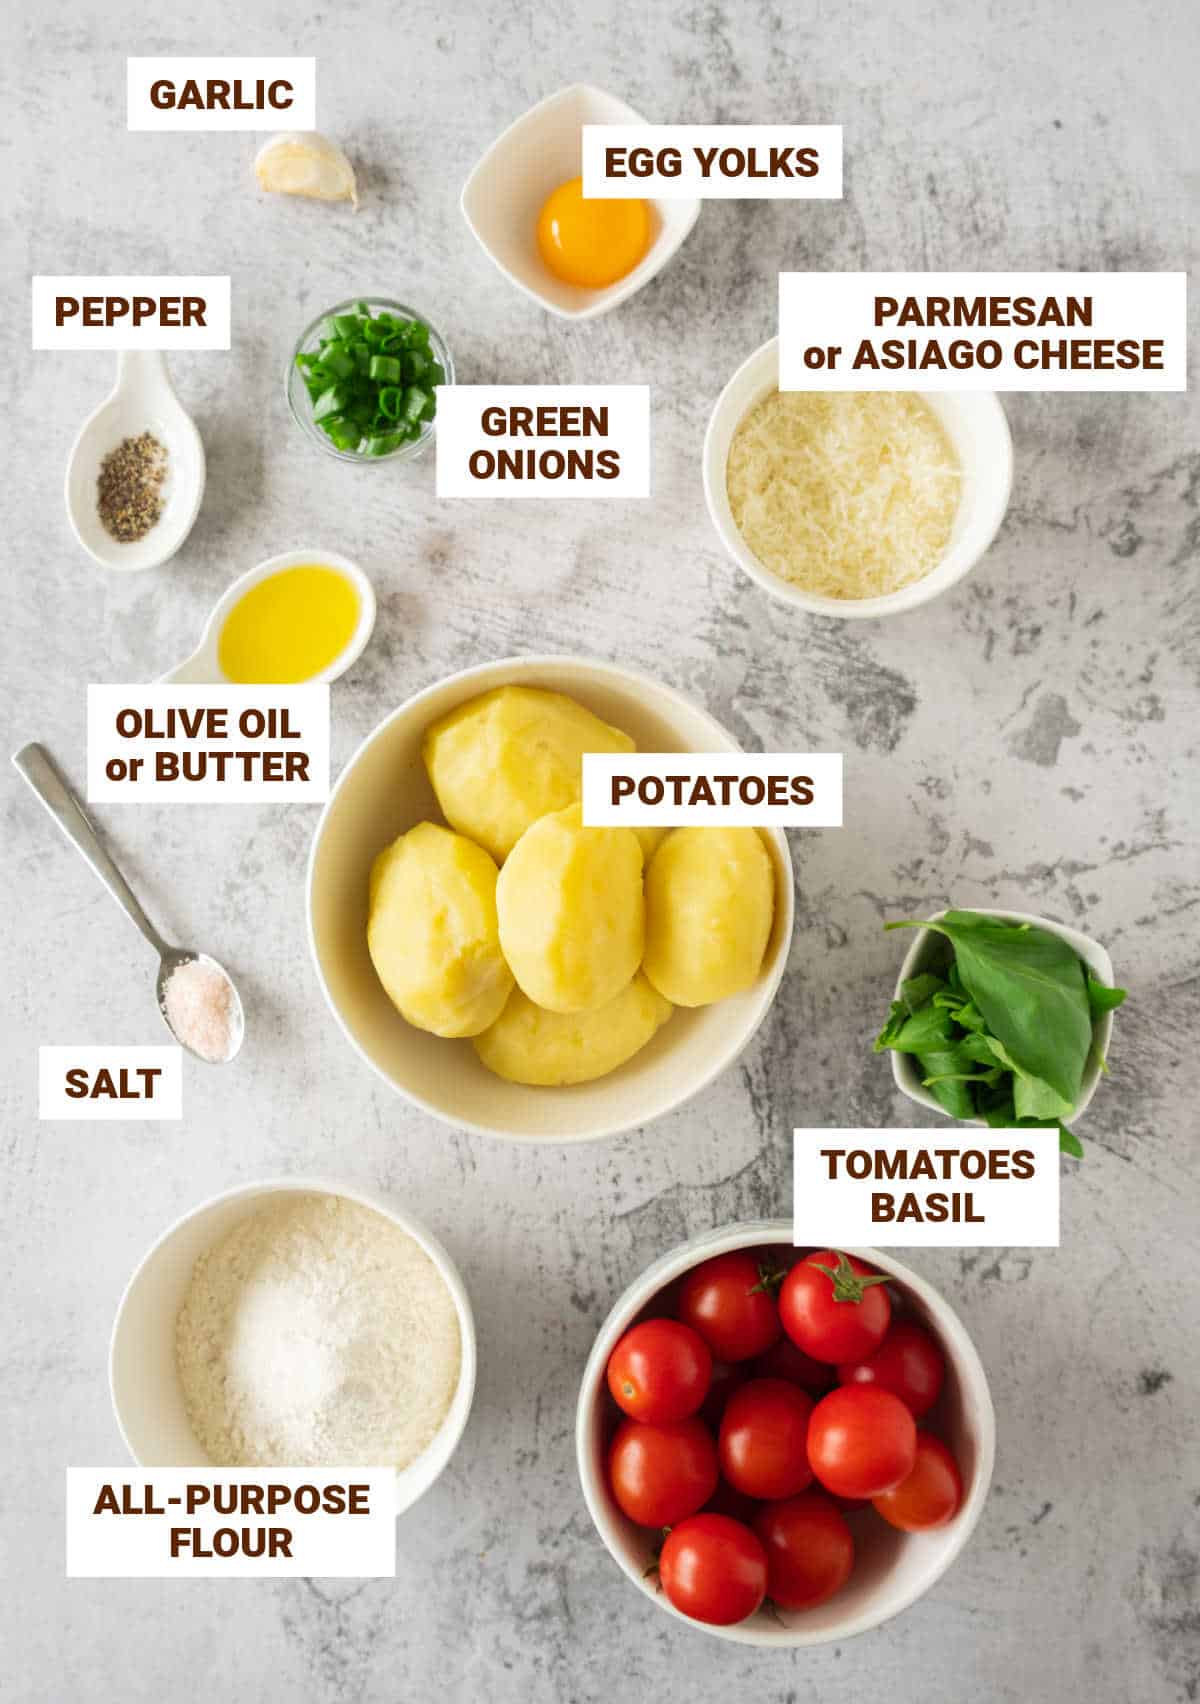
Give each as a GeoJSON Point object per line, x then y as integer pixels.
{"type": "Point", "coordinates": [527, 1044]}
{"type": "Point", "coordinates": [649, 839]}
{"type": "Point", "coordinates": [572, 917]}
{"type": "Point", "coordinates": [432, 932]}
{"type": "Point", "coordinates": [710, 902]}
{"type": "Point", "coordinates": [303, 162]}
{"type": "Point", "coordinates": [503, 760]}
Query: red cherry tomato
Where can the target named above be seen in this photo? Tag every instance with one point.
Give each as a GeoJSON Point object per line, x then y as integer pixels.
{"type": "Point", "coordinates": [810, 1551]}
{"type": "Point", "coordinates": [931, 1494]}
{"type": "Point", "coordinates": [661, 1473]}
{"type": "Point", "coordinates": [660, 1370]}
{"type": "Point", "coordinates": [726, 1377]}
{"type": "Point", "coordinates": [835, 1308]}
{"type": "Point", "coordinates": [726, 1501]}
{"type": "Point", "coordinates": [726, 1300]}
{"type": "Point", "coordinates": [908, 1363]}
{"type": "Point", "coordinates": [763, 1437]}
{"type": "Point", "coordinates": [783, 1360]}
{"type": "Point", "coordinates": [713, 1569]}
{"type": "Point", "coordinates": [861, 1441]}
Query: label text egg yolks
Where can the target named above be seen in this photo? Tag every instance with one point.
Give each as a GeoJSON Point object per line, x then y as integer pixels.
{"type": "Point", "coordinates": [591, 243]}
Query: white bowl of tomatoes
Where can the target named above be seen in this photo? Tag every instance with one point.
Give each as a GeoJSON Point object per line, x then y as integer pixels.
{"type": "Point", "coordinates": [783, 1446]}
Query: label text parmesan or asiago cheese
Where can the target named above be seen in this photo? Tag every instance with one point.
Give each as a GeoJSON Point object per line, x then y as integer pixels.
{"type": "Point", "coordinates": [845, 494]}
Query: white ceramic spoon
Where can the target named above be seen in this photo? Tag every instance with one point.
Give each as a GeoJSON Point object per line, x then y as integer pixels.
{"type": "Point", "coordinates": [143, 400]}
{"type": "Point", "coordinates": [203, 667]}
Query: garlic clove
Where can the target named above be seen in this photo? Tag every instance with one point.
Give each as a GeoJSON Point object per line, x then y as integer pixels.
{"type": "Point", "coordinates": [306, 163]}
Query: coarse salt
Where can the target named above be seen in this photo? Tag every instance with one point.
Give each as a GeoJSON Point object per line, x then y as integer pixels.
{"type": "Point", "coordinates": [201, 1008]}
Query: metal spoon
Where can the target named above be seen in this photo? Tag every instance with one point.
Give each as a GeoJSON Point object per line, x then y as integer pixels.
{"type": "Point", "coordinates": [36, 766]}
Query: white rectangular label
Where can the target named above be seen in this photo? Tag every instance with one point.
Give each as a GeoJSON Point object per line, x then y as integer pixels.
{"type": "Point", "coordinates": [230, 1523]}
{"type": "Point", "coordinates": [713, 162]}
{"type": "Point", "coordinates": [107, 1083]}
{"type": "Point", "coordinates": [654, 789]}
{"type": "Point", "coordinates": [208, 744]}
{"type": "Point", "coordinates": [191, 93]}
{"type": "Point", "coordinates": [543, 441]}
{"type": "Point", "coordinates": [946, 1188]}
{"type": "Point", "coordinates": [969, 331]}
{"type": "Point", "coordinates": [127, 311]}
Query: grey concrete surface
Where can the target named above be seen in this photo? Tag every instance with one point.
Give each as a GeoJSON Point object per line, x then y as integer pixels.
{"type": "Point", "coordinates": [1028, 740]}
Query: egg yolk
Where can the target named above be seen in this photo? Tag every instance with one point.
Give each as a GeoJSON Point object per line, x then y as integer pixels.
{"type": "Point", "coordinates": [591, 243]}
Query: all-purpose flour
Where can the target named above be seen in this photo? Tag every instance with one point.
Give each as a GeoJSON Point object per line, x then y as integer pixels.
{"type": "Point", "coordinates": [316, 1334]}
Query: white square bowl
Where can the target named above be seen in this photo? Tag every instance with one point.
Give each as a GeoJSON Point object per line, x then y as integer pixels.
{"type": "Point", "coordinates": [924, 954]}
{"type": "Point", "coordinates": [504, 194]}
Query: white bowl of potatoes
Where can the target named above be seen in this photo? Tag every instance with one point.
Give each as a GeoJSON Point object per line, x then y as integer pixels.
{"type": "Point", "coordinates": [489, 957]}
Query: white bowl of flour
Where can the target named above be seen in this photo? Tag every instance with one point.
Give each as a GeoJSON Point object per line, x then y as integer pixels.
{"type": "Point", "coordinates": [295, 1323]}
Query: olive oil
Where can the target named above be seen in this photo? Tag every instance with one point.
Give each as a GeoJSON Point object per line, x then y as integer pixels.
{"type": "Point", "coordinates": [289, 627]}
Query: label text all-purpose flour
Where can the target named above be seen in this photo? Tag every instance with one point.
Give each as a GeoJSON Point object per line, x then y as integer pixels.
{"type": "Point", "coordinates": [316, 1333]}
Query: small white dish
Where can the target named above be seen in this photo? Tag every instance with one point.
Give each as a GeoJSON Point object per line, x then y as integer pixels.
{"type": "Point", "coordinates": [504, 194]}
{"type": "Point", "coordinates": [929, 949]}
{"type": "Point", "coordinates": [203, 667]}
{"type": "Point", "coordinates": [143, 1382]}
{"type": "Point", "coordinates": [975, 424]}
{"type": "Point", "coordinates": [384, 790]}
{"type": "Point", "coordinates": [892, 1569]}
{"type": "Point", "coordinates": [143, 400]}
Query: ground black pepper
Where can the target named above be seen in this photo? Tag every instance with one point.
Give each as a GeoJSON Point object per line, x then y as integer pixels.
{"type": "Point", "coordinates": [129, 489]}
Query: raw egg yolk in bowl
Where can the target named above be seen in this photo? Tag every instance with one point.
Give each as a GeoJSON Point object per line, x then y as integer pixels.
{"type": "Point", "coordinates": [591, 243]}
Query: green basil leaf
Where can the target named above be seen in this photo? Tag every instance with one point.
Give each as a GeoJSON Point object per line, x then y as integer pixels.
{"type": "Point", "coordinates": [919, 990]}
{"type": "Point", "coordinates": [897, 1018]}
{"type": "Point", "coordinates": [930, 1027]}
{"type": "Point", "coordinates": [949, 1073]}
{"type": "Point", "coordinates": [1004, 1117]}
{"type": "Point", "coordinates": [1030, 988]}
{"type": "Point", "coordinates": [1102, 998]}
{"type": "Point", "coordinates": [1034, 1099]}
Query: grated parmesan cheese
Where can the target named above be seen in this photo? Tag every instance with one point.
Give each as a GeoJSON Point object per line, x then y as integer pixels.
{"type": "Point", "coordinates": [849, 494]}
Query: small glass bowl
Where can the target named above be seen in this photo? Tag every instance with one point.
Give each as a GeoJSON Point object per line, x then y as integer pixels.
{"type": "Point", "coordinates": [300, 402]}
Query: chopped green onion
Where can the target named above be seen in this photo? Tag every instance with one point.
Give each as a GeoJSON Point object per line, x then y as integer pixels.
{"type": "Point", "coordinates": [343, 434]}
{"type": "Point", "coordinates": [371, 380]}
{"type": "Point", "coordinates": [339, 361]}
{"type": "Point", "coordinates": [414, 401]}
{"type": "Point", "coordinates": [330, 402]}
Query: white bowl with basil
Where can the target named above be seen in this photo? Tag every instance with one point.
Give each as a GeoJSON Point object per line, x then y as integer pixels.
{"type": "Point", "coordinates": [1018, 1008]}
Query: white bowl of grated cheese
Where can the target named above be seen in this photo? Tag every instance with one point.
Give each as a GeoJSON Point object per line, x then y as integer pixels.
{"type": "Point", "coordinates": [973, 428]}
{"type": "Point", "coordinates": [295, 1323]}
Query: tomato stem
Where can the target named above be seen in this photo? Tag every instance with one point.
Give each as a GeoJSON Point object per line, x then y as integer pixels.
{"type": "Point", "coordinates": [848, 1285]}
{"type": "Point", "coordinates": [769, 1280]}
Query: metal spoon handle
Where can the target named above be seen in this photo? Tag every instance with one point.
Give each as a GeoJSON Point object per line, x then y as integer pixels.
{"type": "Point", "coordinates": [34, 763]}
